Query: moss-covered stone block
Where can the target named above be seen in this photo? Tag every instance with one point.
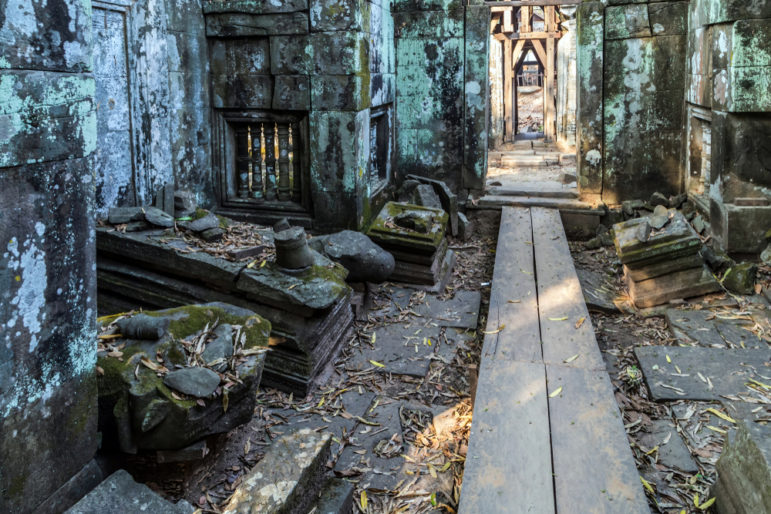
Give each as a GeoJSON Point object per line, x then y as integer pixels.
{"type": "Point", "coordinates": [340, 53]}
{"type": "Point", "coordinates": [138, 410]}
{"type": "Point", "coordinates": [291, 55]}
{"type": "Point", "coordinates": [340, 92]}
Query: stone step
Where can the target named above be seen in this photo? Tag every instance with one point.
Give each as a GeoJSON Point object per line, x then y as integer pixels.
{"type": "Point", "coordinates": [534, 189]}
{"type": "Point", "coordinates": [563, 204]}
{"type": "Point", "coordinates": [120, 493]}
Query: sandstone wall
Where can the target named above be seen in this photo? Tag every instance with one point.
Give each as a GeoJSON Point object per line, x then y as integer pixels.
{"type": "Point", "coordinates": [48, 135]}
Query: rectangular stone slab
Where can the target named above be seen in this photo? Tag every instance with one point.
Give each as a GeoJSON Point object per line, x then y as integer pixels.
{"type": "Point", "coordinates": [681, 284]}
{"type": "Point", "coordinates": [297, 463]}
{"type": "Point", "coordinates": [594, 470]}
{"type": "Point", "coordinates": [666, 267]}
{"type": "Point", "coordinates": [677, 238]}
{"type": "Point", "coordinates": [728, 370]}
{"type": "Point", "coordinates": [460, 311]}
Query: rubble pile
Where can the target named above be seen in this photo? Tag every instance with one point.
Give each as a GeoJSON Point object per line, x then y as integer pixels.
{"type": "Point", "coordinates": [661, 257]}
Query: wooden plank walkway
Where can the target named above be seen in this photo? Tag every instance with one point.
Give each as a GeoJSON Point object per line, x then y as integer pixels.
{"type": "Point", "coordinates": [528, 452]}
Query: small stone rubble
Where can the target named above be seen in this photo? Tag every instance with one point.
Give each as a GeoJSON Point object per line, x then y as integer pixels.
{"type": "Point", "coordinates": [158, 390]}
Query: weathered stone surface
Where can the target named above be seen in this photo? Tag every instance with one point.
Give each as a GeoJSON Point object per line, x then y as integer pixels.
{"type": "Point", "coordinates": [678, 239]}
{"type": "Point", "coordinates": [120, 493]}
{"type": "Point", "coordinates": [629, 21]}
{"type": "Point", "coordinates": [740, 278]}
{"type": "Point", "coordinates": [421, 230]}
{"type": "Point", "coordinates": [204, 223]}
{"type": "Point", "coordinates": [462, 310]}
{"type": "Point", "coordinates": [674, 286]}
{"type": "Point", "coordinates": [287, 478]}
{"type": "Point", "coordinates": [364, 260]}
{"type": "Point", "coordinates": [599, 292]}
{"type": "Point", "coordinates": [139, 411]}
{"type": "Point", "coordinates": [142, 326]}
{"type": "Point", "coordinates": [157, 217]}
{"type": "Point", "coordinates": [465, 227]}
{"type": "Point", "coordinates": [727, 370]}
{"type": "Point", "coordinates": [292, 92]}
{"type": "Point", "coordinates": [184, 203]}
{"type": "Point", "coordinates": [744, 471]}
{"type": "Point", "coordinates": [336, 497]}
{"type": "Point", "coordinates": [239, 24]}
{"type": "Point", "coordinates": [118, 215]}
{"type": "Point", "coordinates": [590, 61]}
{"type": "Point", "coordinates": [672, 452]}
{"type": "Point", "coordinates": [254, 6]}
{"type": "Point", "coordinates": [198, 382]}
{"type": "Point", "coordinates": [449, 201]}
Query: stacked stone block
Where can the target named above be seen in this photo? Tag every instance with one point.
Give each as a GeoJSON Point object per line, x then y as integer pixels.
{"type": "Point", "coordinates": [729, 79]}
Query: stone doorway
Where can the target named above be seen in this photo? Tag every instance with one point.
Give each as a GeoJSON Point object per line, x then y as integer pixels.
{"type": "Point", "coordinates": [533, 92]}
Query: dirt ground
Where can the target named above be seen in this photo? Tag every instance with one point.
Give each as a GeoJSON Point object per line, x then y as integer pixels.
{"type": "Point", "coordinates": [530, 110]}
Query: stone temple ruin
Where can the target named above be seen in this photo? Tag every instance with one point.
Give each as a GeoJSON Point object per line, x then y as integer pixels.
{"type": "Point", "coordinates": [363, 256]}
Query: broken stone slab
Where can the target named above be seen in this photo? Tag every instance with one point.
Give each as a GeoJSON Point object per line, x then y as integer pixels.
{"type": "Point", "coordinates": [121, 215]}
{"type": "Point", "coordinates": [449, 201]}
{"type": "Point", "coordinates": [672, 452]}
{"type": "Point", "coordinates": [677, 239]}
{"type": "Point", "coordinates": [204, 223]}
{"type": "Point", "coordinates": [164, 199]}
{"type": "Point", "coordinates": [694, 326]}
{"type": "Point", "coordinates": [220, 349]}
{"type": "Point", "coordinates": [287, 479]}
{"type": "Point", "coordinates": [465, 227]}
{"type": "Point", "coordinates": [727, 371]}
{"type": "Point", "coordinates": [679, 285]}
{"type": "Point", "coordinates": [716, 259]}
{"type": "Point", "coordinates": [139, 409]}
{"type": "Point", "coordinates": [425, 196]}
{"type": "Point", "coordinates": [157, 217]}
{"type": "Point", "coordinates": [213, 235]}
{"type": "Point", "coordinates": [378, 451]}
{"type": "Point", "coordinates": [600, 293]}
{"type": "Point", "coordinates": [658, 199]}
{"type": "Point", "coordinates": [120, 493]}
{"type": "Point", "coordinates": [198, 382]}
{"type": "Point", "coordinates": [364, 260]}
{"type": "Point", "coordinates": [736, 335]}
{"type": "Point", "coordinates": [398, 349]}
{"type": "Point", "coordinates": [744, 470]}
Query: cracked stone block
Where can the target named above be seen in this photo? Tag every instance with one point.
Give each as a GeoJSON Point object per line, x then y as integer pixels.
{"type": "Point", "coordinates": [288, 477]}
{"type": "Point", "coordinates": [744, 471]}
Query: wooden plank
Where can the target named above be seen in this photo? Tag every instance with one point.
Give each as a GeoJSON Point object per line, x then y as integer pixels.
{"type": "Point", "coordinates": [508, 463]}
{"type": "Point", "coordinates": [508, 82]}
{"type": "Point", "coordinates": [594, 470]}
{"type": "Point", "coordinates": [550, 100]}
{"type": "Point", "coordinates": [560, 296]}
{"type": "Point", "coordinates": [540, 52]}
{"type": "Point", "coordinates": [525, 18]}
{"type": "Point", "coordinates": [507, 25]}
{"type": "Point", "coordinates": [513, 298]}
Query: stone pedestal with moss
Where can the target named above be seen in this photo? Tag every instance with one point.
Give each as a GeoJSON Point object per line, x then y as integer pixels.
{"type": "Point", "coordinates": [169, 378]}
